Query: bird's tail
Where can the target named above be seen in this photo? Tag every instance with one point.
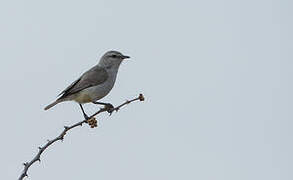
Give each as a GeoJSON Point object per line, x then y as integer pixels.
{"type": "Point", "coordinates": [51, 105]}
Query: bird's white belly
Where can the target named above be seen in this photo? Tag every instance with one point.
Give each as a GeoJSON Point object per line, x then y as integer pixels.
{"type": "Point", "coordinates": [94, 93]}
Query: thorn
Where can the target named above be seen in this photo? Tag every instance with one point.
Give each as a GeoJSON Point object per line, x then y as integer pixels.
{"type": "Point", "coordinates": [66, 127]}
{"type": "Point", "coordinates": [48, 140]}
{"type": "Point", "coordinates": [39, 160]}
{"type": "Point", "coordinates": [40, 148]}
{"type": "Point", "coordinates": [25, 164]}
{"type": "Point", "coordinates": [25, 175]}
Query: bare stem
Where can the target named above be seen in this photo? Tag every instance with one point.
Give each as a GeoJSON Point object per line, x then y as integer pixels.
{"type": "Point", "coordinates": [27, 165]}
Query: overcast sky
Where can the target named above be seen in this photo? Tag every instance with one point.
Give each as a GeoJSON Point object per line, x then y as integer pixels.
{"type": "Point", "coordinates": [216, 74]}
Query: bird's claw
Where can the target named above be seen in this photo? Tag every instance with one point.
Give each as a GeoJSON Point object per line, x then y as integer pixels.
{"type": "Point", "coordinates": [109, 108]}
{"type": "Point", "coordinates": [86, 117]}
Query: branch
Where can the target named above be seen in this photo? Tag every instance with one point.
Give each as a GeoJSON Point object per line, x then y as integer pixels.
{"type": "Point", "coordinates": [91, 121]}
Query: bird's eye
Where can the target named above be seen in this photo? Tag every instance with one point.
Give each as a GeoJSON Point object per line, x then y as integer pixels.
{"type": "Point", "coordinates": [114, 56]}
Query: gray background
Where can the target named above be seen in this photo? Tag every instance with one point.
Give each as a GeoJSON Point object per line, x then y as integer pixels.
{"type": "Point", "coordinates": [216, 76]}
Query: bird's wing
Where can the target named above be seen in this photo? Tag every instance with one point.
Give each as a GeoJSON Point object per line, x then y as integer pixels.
{"type": "Point", "coordinates": [93, 77]}
{"type": "Point", "coordinates": [69, 87]}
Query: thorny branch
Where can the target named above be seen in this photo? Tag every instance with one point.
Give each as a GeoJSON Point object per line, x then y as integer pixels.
{"type": "Point", "coordinates": [67, 128]}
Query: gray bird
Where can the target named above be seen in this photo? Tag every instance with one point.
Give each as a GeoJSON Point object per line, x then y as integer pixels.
{"type": "Point", "coordinates": [94, 84]}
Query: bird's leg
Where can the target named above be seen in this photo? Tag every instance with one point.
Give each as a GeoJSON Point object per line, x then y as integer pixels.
{"type": "Point", "coordinates": [108, 106]}
{"type": "Point", "coordinates": [84, 114]}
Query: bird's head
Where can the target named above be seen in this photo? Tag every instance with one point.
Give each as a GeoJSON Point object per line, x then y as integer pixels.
{"type": "Point", "coordinates": [112, 59]}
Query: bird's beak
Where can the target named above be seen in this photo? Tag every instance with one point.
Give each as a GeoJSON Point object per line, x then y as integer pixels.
{"type": "Point", "coordinates": [125, 57]}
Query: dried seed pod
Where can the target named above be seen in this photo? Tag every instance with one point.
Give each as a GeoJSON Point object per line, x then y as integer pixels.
{"type": "Point", "coordinates": [141, 97]}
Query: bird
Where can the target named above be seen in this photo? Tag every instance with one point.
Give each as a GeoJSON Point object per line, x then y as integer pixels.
{"type": "Point", "coordinates": [94, 84]}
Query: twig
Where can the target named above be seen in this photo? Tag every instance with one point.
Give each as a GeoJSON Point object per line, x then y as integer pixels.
{"type": "Point", "coordinates": [66, 129]}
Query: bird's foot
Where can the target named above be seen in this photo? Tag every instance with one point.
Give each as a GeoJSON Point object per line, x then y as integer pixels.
{"type": "Point", "coordinates": [86, 117]}
{"type": "Point", "coordinates": [109, 108]}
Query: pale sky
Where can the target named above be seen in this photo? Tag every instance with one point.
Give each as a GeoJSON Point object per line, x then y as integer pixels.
{"type": "Point", "coordinates": [216, 75]}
